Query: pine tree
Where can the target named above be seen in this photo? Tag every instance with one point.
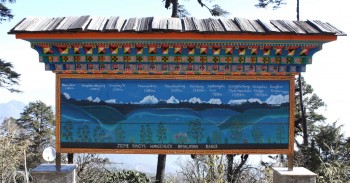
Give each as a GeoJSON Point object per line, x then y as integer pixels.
{"type": "Point", "coordinates": [149, 134]}
{"type": "Point", "coordinates": [119, 134]}
{"type": "Point", "coordinates": [67, 131]}
{"type": "Point", "coordinates": [257, 135]}
{"type": "Point", "coordinates": [161, 132]}
{"type": "Point", "coordinates": [237, 131]}
{"type": "Point", "coordinates": [83, 134]}
{"type": "Point", "coordinates": [99, 134]}
{"type": "Point", "coordinates": [196, 130]}
{"type": "Point", "coordinates": [37, 124]}
{"type": "Point", "coordinates": [8, 77]}
{"type": "Point", "coordinates": [143, 134]}
{"type": "Point", "coordinates": [5, 12]}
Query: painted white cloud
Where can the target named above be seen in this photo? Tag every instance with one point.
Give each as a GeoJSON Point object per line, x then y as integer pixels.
{"type": "Point", "coordinates": [111, 101]}
{"type": "Point", "coordinates": [66, 95]}
{"type": "Point", "coordinates": [172, 100]}
{"type": "Point", "coordinates": [215, 101]}
{"type": "Point", "coordinates": [277, 99]}
{"type": "Point", "coordinates": [149, 100]}
{"type": "Point", "coordinates": [195, 100]}
{"type": "Point", "coordinates": [252, 100]}
{"type": "Point", "coordinates": [237, 102]}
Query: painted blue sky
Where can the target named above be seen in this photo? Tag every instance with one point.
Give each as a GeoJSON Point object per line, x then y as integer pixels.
{"type": "Point", "coordinates": [173, 91]}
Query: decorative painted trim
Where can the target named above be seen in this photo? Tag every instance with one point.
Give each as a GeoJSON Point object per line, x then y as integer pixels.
{"type": "Point", "coordinates": [124, 57]}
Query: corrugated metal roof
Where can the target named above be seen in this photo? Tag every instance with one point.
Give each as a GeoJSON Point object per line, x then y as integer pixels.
{"type": "Point", "coordinates": [187, 24]}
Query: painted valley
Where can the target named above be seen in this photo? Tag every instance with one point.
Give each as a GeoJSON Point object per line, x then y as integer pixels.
{"type": "Point", "coordinates": [174, 114]}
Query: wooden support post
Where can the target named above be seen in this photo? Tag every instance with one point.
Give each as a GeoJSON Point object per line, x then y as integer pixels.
{"type": "Point", "coordinates": [58, 161]}
{"type": "Point", "coordinates": [290, 161]}
{"type": "Point", "coordinates": [70, 157]}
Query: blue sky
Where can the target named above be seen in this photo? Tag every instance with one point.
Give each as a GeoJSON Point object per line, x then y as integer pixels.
{"type": "Point", "coordinates": [328, 74]}
{"type": "Point", "coordinates": [134, 91]}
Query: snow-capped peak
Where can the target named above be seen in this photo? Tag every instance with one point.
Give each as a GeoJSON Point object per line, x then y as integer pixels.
{"type": "Point", "coordinates": [150, 99]}
{"type": "Point", "coordinates": [277, 99]}
{"type": "Point", "coordinates": [237, 102]}
{"type": "Point", "coordinates": [111, 101]}
{"type": "Point", "coordinates": [252, 100]}
{"type": "Point", "coordinates": [172, 100]}
{"type": "Point", "coordinates": [195, 100]}
{"type": "Point", "coordinates": [215, 101]}
{"type": "Point", "coordinates": [66, 95]}
{"type": "Point", "coordinates": [89, 98]}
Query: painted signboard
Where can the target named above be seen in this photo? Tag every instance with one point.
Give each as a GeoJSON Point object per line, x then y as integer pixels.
{"type": "Point", "coordinates": [149, 114]}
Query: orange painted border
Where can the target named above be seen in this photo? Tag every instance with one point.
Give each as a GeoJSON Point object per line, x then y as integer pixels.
{"type": "Point", "coordinates": [289, 151]}
{"type": "Point", "coordinates": [176, 36]}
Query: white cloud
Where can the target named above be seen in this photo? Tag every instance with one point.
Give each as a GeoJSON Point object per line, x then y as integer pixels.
{"type": "Point", "coordinates": [111, 101]}
{"type": "Point", "coordinates": [195, 100]}
{"type": "Point", "coordinates": [237, 102]}
{"type": "Point", "coordinates": [172, 100]}
{"type": "Point", "coordinates": [66, 95]}
{"type": "Point", "coordinates": [277, 99]}
{"type": "Point", "coordinates": [149, 100]}
{"type": "Point", "coordinates": [215, 101]}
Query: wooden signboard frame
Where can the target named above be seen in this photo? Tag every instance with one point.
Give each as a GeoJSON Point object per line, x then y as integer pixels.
{"type": "Point", "coordinates": [213, 78]}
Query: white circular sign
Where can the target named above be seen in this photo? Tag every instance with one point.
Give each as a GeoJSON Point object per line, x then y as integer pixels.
{"type": "Point", "coordinates": [49, 154]}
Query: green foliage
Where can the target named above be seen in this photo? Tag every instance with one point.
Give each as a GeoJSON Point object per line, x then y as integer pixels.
{"type": "Point", "coordinates": [217, 137]}
{"type": "Point", "coordinates": [91, 167]}
{"type": "Point", "coordinates": [67, 131]}
{"type": "Point", "coordinates": [83, 134]}
{"type": "Point", "coordinates": [99, 134]}
{"type": "Point", "coordinates": [119, 134]}
{"type": "Point", "coordinates": [37, 124]}
{"type": "Point", "coordinates": [181, 138]}
{"type": "Point", "coordinates": [236, 130]}
{"type": "Point", "coordinates": [146, 135]}
{"type": "Point", "coordinates": [333, 151]}
{"type": "Point", "coordinates": [129, 176]}
{"type": "Point", "coordinates": [203, 168]}
{"type": "Point", "coordinates": [161, 132]}
{"type": "Point", "coordinates": [195, 130]}
{"type": "Point", "coordinates": [208, 140]}
{"type": "Point", "coordinates": [8, 77]}
{"type": "Point", "coordinates": [216, 168]}
{"type": "Point", "coordinates": [179, 10]}
{"type": "Point", "coordinates": [328, 151]}
{"type": "Point", "coordinates": [312, 104]}
{"type": "Point", "coordinates": [276, 3]}
{"type": "Point", "coordinates": [149, 134]}
{"type": "Point", "coordinates": [257, 135]}
{"type": "Point", "coordinates": [279, 133]}
{"type": "Point", "coordinates": [12, 149]}
{"type": "Point", "coordinates": [143, 134]}
{"type": "Point", "coordinates": [5, 13]}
